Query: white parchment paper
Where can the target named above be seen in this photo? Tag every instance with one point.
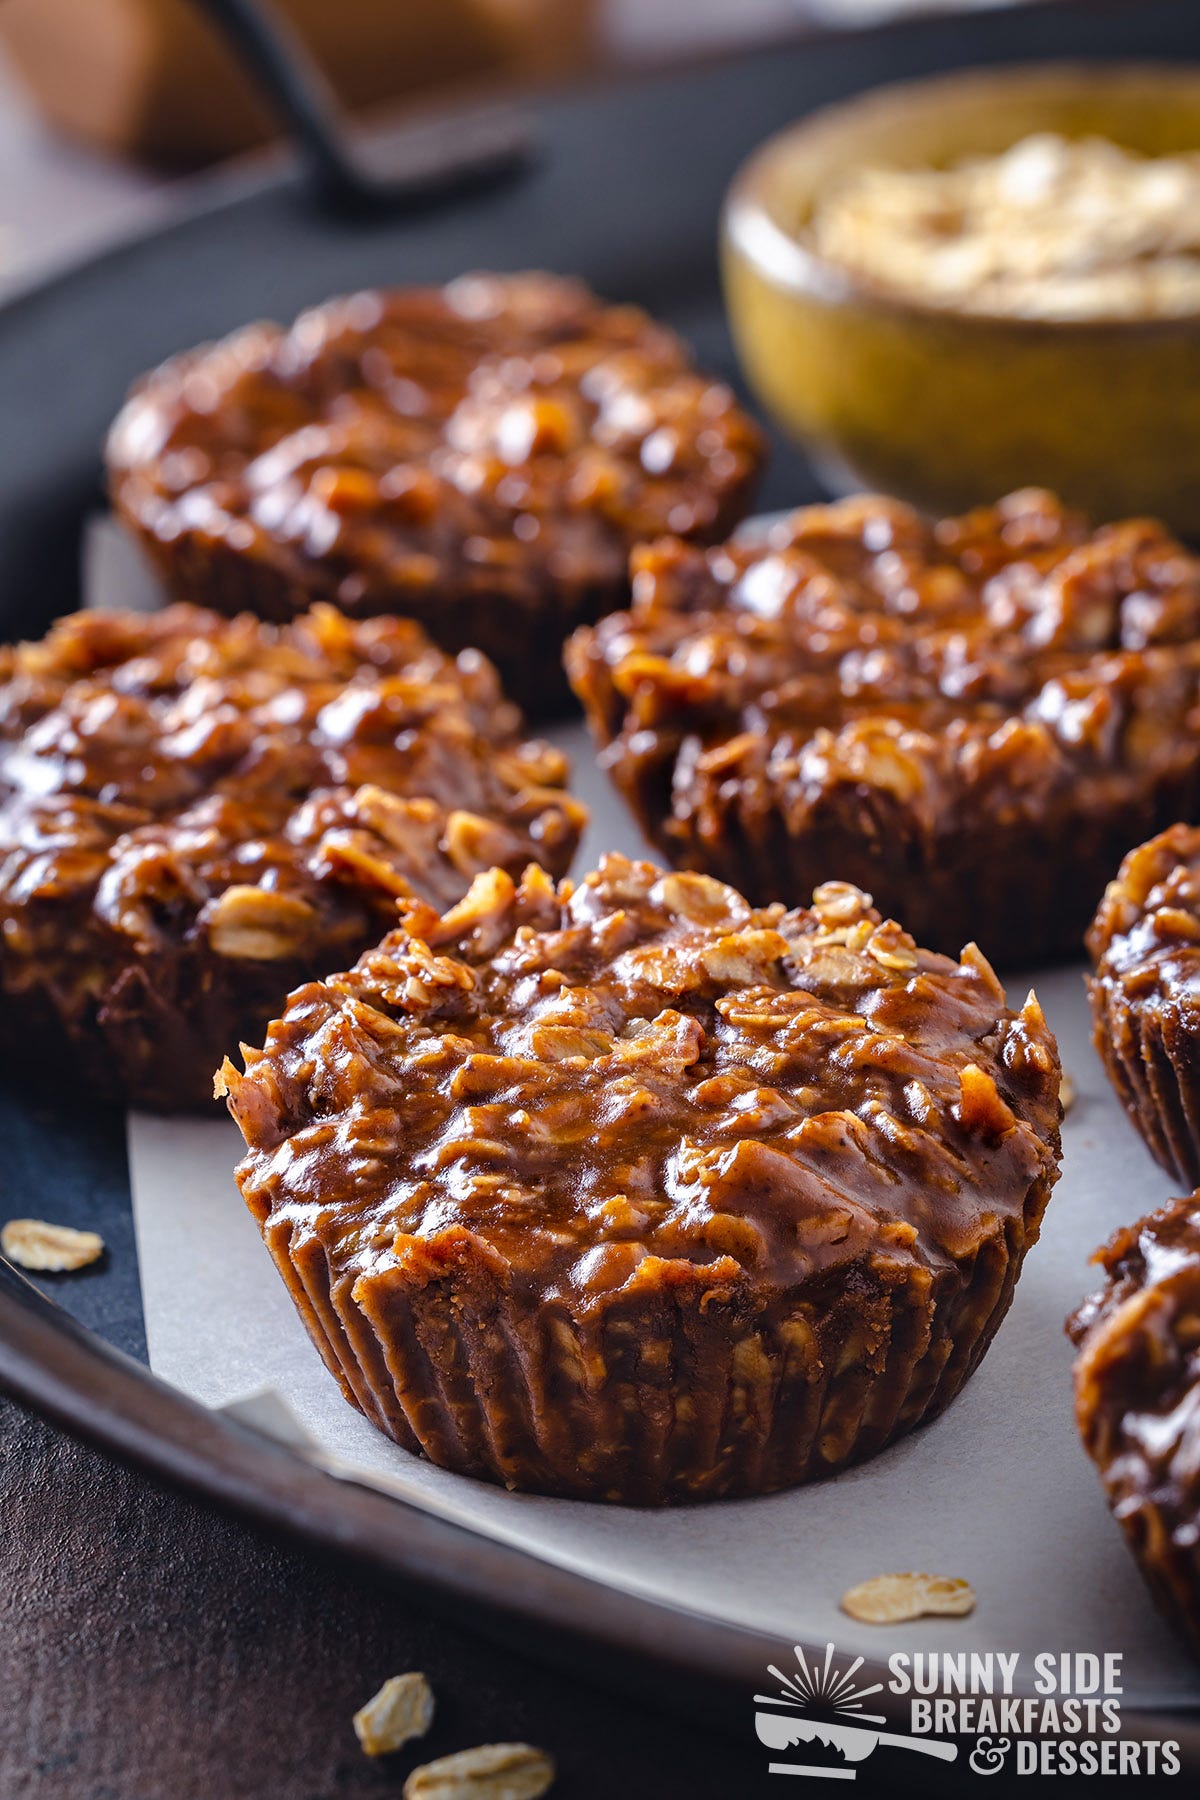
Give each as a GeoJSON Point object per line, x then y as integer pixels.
{"type": "Point", "coordinates": [997, 1490]}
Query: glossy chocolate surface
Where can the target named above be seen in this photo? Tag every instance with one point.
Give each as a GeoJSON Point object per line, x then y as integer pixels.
{"type": "Point", "coordinates": [1137, 1398]}
{"type": "Point", "coordinates": [923, 709]}
{"type": "Point", "coordinates": [196, 813]}
{"type": "Point", "coordinates": [641, 1068]}
{"type": "Point", "coordinates": [480, 456]}
{"type": "Point", "coordinates": [1145, 994]}
{"type": "Point", "coordinates": [628, 1191]}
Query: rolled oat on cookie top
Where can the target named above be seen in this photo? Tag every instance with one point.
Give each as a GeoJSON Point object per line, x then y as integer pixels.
{"type": "Point", "coordinates": [481, 457]}
{"type": "Point", "coordinates": [628, 1191]}
{"type": "Point", "coordinates": [198, 813]}
{"type": "Point", "coordinates": [972, 719]}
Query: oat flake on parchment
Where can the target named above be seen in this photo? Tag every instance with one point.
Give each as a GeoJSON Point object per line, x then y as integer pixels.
{"type": "Point", "coordinates": [892, 1599]}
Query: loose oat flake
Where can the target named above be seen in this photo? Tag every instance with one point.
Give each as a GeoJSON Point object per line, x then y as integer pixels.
{"type": "Point", "coordinates": [49, 1249]}
{"type": "Point", "coordinates": [890, 1599]}
{"type": "Point", "coordinates": [489, 1772]}
{"type": "Point", "coordinates": [1066, 1093]}
{"type": "Point", "coordinates": [402, 1709]}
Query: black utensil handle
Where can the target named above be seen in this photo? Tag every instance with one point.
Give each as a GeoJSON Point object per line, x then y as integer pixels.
{"type": "Point", "coordinates": [270, 49]}
{"type": "Point", "coordinates": [431, 166]}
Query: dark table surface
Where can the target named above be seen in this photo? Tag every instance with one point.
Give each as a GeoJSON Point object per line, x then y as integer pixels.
{"type": "Point", "coordinates": [152, 1649]}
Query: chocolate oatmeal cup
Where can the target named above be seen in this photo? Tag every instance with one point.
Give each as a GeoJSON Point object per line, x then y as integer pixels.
{"type": "Point", "coordinates": [972, 720]}
{"type": "Point", "coordinates": [481, 457]}
{"type": "Point", "coordinates": [627, 1191]}
{"type": "Point", "coordinates": [197, 814]}
{"type": "Point", "coordinates": [1137, 1399]}
{"type": "Point", "coordinates": [1145, 995]}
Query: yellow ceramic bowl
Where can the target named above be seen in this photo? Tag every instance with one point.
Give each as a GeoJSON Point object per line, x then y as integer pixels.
{"type": "Point", "coordinates": [949, 409]}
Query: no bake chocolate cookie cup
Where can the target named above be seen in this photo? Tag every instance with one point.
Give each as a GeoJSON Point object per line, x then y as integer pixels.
{"type": "Point", "coordinates": [972, 720]}
{"type": "Point", "coordinates": [1145, 994]}
{"type": "Point", "coordinates": [627, 1191]}
{"type": "Point", "coordinates": [198, 813]}
{"type": "Point", "coordinates": [480, 457]}
{"type": "Point", "coordinates": [1137, 1399]}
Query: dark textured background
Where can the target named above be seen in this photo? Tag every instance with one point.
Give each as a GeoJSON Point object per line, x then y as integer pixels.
{"type": "Point", "coordinates": [150, 1648]}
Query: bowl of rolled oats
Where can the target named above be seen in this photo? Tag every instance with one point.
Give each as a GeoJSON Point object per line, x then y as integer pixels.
{"type": "Point", "coordinates": [953, 287]}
